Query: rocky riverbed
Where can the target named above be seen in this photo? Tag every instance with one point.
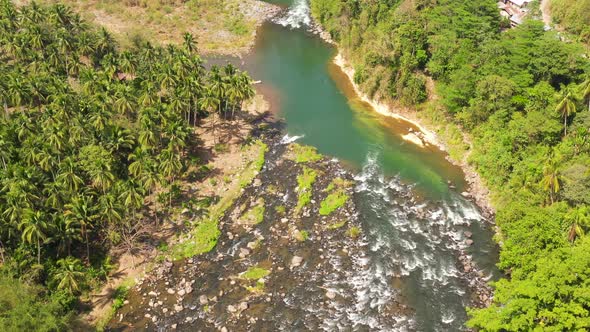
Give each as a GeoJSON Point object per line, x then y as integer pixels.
{"type": "Point", "coordinates": [292, 254]}
{"type": "Point", "coordinates": [282, 266]}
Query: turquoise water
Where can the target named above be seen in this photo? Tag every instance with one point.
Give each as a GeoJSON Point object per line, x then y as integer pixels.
{"type": "Point", "coordinates": [414, 221]}
{"type": "Point", "coordinates": [316, 100]}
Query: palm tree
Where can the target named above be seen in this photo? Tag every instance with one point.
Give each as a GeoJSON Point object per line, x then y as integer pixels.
{"type": "Point", "coordinates": [551, 178]}
{"type": "Point", "coordinates": [34, 227]}
{"type": "Point", "coordinates": [586, 91]}
{"type": "Point", "coordinates": [189, 42]}
{"type": "Point", "coordinates": [67, 230]}
{"type": "Point", "coordinates": [68, 176]}
{"type": "Point", "coordinates": [566, 107]}
{"type": "Point", "coordinates": [69, 275]}
{"type": "Point", "coordinates": [580, 219]}
{"type": "Point", "coordinates": [81, 210]}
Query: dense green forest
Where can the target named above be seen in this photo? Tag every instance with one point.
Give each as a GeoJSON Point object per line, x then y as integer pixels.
{"type": "Point", "coordinates": [523, 95]}
{"type": "Point", "coordinates": [573, 15]}
{"type": "Point", "coordinates": [93, 144]}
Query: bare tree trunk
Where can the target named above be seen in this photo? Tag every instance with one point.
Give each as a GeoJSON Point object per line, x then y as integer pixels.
{"type": "Point", "coordinates": [38, 251]}
{"type": "Point", "coordinates": [2, 252]}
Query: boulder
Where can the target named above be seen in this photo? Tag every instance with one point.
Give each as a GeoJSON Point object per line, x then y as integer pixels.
{"type": "Point", "coordinates": [203, 299]}
{"type": "Point", "coordinates": [296, 261]}
{"type": "Point", "coordinates": [243, 305]}
{"type": "Point", "coordinates": [244, 252]}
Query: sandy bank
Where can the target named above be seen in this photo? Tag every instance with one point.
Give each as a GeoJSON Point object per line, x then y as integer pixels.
{"type": "Point", "coordinates": [425, 135]}
{"type": "Point", "coordinates": [477, 190]}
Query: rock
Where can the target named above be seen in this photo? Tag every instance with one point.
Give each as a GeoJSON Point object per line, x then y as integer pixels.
{"type": "Point", "coordinates": [160, 302]}
{"type": "Point", "coordinates": [465, 194]}
{"type": "Point", "coordinates": [257, 183]}
{"type": "Point", "coordinates": [244, 252]}
{"type": "Point", "coordinates": [331, 295]}
{"type": "Point", "coordinates": [170, 291]}
{"type": "Point", "coordinates": [147, 316]}
{"type": "Point", "coordinates": [181, 292]}
{"type": "Point", "coordinates": [243, 305]}
{"type": "Point", "coordinates": [251, 245]}
{"type": "Point", "coordinates": [468, 234]}
{"type": "Point", "coordinates": [173, 326]}
{"type": "Point", "coordinates": [152, 293]}
{"type": "Point", "coordinates": [203, 299]}
{"type": "Point", "coordinates": [231, 308]}
{"type": "Point", "coordinates": [224, 329]}
{"type": "Point", "coordinates": [188, 289]}
{"type": "Point", "coordinates": [467, 268]}
{"type": "Point", "coordinates": [296, 261]}
{"type": "Point", "coordinates": [469, 242]}
{"type": "Point", "coordinates": [178, 307]}
{"type": "Point", "coordinates": [126, 302]}
{"type": "Point", "coordinates": [284, 220]}
{"type": "Point", "coordinates": [164, 310]}
{"type": "Point", "coordinates": [154, 319]}
{"type": "Point", "coordinates": [230, 235]}
{"type": "Point", "coordinates": [151, 303]}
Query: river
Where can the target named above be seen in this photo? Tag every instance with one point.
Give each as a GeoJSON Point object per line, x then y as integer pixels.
{"type": "Point", "coordinates": [416, 223]}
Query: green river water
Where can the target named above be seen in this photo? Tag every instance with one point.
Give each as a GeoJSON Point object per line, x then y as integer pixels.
{"type": "Point", "coordinates": [408, 197]}
{"type": "Point", "coordinates": [415, 222]}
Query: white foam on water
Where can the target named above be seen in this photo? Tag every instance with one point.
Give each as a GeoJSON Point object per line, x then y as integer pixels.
{"type": "Point", "coordinates": [416, 239]}
{"type": "Point", "coordinates": [297, 15]}
{"type": "Point", "coordinates": [287, 139]}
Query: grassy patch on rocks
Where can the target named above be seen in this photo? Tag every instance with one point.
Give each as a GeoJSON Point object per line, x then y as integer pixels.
{"type": "Point", "coordinates": [204, 236]}
{"type": "Point", "coordinates": [336, 197]}
{"type": "Point", "coordinates": [255, 273]}
{"type": "Point", "coordinates": [255, 215]}
{"type": "Point", "coordinates": [337, 225]}
{"type": "Point", "coordinates": [305, 183]}
{"type": "Point", "coordinates": [303, 153]}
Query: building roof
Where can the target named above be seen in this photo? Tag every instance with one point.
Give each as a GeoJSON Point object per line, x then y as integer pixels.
{"type": "Point", "coordinates": [520, 3]}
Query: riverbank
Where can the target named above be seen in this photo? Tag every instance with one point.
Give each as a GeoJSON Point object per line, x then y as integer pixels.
{"type": "Point", "coordinates": [288, 248]}
{"type": "Point", "coordinates": [477, 189]}
{"type": "Point", "coordinates": [223, 27]}
{"type": "Point", "coordinates": [225, 158]}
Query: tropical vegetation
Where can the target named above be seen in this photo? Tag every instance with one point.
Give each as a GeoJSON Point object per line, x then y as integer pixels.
{"type": "Point", "coordinates": [522, 95]}
{"type": "Point", "coordinates": [94, 143]}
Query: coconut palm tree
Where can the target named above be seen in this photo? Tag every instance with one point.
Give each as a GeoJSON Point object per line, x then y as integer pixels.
{"type": "Point", "coordinates": [81, 210]}
{"type": "Point", "coordinates": [34, 228]}
{"type": "Point", "coordinates": [66, 231]}
{"type": "Point", "coordinates": [566, 107]}
{"type": "Point", "coordinates": [579, 220]}
{"type": "Point", "coordinates": [189, 42]}
{"type": "Point", "coordinates": [551, 178]}
{"type": "Point", "coordinates": [69, 275]}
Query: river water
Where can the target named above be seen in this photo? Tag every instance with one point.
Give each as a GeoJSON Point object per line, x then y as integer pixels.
{"type": "Point", "coordinates": [414, 221]}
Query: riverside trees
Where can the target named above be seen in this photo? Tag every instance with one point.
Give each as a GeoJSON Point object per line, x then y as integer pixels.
{"type": "Point", "coordinates": [523, 96]}
{"type": "Point", "coordinates": [87, 133]}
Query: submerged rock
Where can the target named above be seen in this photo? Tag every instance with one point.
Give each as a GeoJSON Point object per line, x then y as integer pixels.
{"type": "Point", "coordinates": [296, 261]}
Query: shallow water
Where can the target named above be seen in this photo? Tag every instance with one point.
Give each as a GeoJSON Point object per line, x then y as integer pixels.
{"type": "Point", "coordinates": [413, 221]}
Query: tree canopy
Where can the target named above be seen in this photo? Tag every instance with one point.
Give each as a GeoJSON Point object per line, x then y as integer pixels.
{"type": "Point", "coordinates": [522, 95]}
